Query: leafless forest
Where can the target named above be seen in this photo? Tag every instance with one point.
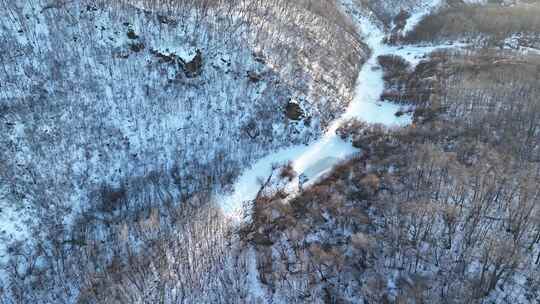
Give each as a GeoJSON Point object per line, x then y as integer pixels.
{"type": "Point", "coordinates": [121, 120]}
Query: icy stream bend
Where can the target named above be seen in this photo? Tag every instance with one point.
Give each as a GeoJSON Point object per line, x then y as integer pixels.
{"type": "Point", "coordinates": [319, 157]}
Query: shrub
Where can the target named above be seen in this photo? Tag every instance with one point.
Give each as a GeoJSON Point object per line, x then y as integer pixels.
{"type": "Point", "coordinates": [287, 172]}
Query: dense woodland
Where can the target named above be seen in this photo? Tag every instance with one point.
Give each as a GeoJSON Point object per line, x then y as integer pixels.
{"type": "Point", "coordinates": [120, 121]}
{"type": "Point", "coordinates": [109, 109]}
{"type": "Point", "coordinates": [444, 211]}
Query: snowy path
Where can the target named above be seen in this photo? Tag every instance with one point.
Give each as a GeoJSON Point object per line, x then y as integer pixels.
{"type": "Point", "coordinates": [319, 157]}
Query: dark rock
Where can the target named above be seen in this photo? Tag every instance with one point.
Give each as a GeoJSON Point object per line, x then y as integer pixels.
{"type": "Point", "coordinates": [124, 54]}
{"type": "Point", "coordinates": [293, 111]}
{"type": "Point", "coordinates": [166, 20]}
{"type": "Point", "coordinates": [131, 34]}
{"type": "Point", "coordinates": [251, 130]}
{"type": "Point", "coordinates": [193, 68]}
{"type": "Point", "coordinates": [253, 76]}
{"type": "Point", "coordinates": [137, 47]}
{"type": "Point", "coordinates": [163, 57]}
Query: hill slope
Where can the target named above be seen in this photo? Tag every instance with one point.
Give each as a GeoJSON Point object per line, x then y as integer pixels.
{"type": "Point", "coordinates": [99, 98]}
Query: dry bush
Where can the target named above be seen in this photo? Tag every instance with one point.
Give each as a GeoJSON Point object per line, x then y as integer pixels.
{"type": "Point", "coordinates": [393, 65]}
{"type": "Point", "coordinates": [287, 172]}
{"type": "Point", "coordinates": [317, 267]}
{"type": "Point", "coordinates": [371, 183]}
{"type": "Point", "coordinates": [410, 86]}
{"type": "Point", "coordinates": [350, 129]}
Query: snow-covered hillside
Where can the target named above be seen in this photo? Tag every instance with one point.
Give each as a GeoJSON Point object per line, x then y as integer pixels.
{"type": "Point", "coordinates": [245, 151]}
{"type": "Point", "coordinates": [99, 97]}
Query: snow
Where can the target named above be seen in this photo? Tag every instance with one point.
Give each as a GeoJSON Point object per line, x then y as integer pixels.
{"type": "Point", "coordinates": [13, 215]}
{"type": "Point", "coordinates": [247, 186]}
{"type": "Point", "coordinates": [415, 18]}
{"type": "Point", "coordinates": [314, 160]}
{"type": "Point", "coordinates": [12, 227]}
{"type": "Point", "coordinates": [185, 52]}
{"type": "Point", "coordinates": [529, 50]}
{"type": "Point", "coordinates": [255, 285]}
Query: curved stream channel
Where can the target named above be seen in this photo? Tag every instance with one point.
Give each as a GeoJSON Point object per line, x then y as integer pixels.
{"type": "Point", "coordinates": [319, 157]}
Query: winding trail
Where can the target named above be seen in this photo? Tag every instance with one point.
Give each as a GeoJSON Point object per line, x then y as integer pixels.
{"type": "Point", "coordinates": [319, 157]}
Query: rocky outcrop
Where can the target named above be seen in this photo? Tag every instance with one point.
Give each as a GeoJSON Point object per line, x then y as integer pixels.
{"type": "Point", "coordinates": [132, 35]}
{"type": "Point", "coordinates": [293, 111]}
{"type": "Point", "coordinates": [194, 67]}
{"type": "Point", "coordinates": [191, 68]}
